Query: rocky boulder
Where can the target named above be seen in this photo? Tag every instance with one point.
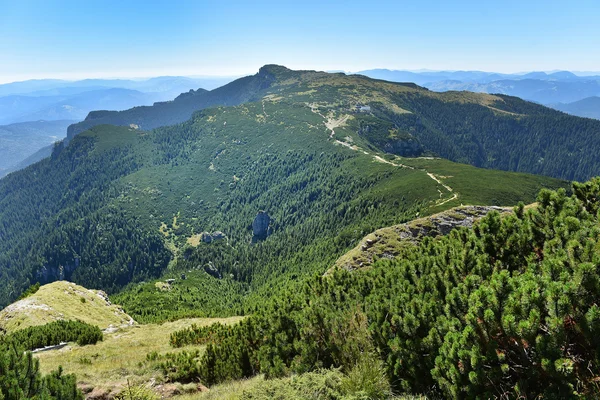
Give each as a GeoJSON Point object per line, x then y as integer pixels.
{"type": "Point", "coordinates": [261, 226]}
{"type": "Point", "coordinates": [212, 270]}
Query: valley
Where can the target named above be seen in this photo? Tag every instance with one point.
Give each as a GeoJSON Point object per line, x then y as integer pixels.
{"type": "Point", "coordinates": [278, 230]}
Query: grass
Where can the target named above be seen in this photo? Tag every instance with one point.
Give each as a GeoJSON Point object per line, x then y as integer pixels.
{"type": "Point", "coordinates": [121, 357]}
{"type": "Point", "coordinates": [61, 300]}
{"type": "Point", "coordinates": [260, 389]}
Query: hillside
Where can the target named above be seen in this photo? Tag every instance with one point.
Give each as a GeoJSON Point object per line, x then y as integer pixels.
{"type": "Point", "coordinates": [63, 300]}
{"type": "Point", "coordinates": [404, 119]}
{"type": "Point", "coordinates": [389, 242]}
{"type": "Point", "coordinates": [121, 358]}
{"type": "Point", "coordinates": [588, 107]}
{"type": "Point", "coordinates": [119, 204]}
{"type": "Point", "coordinates": [506, 307]}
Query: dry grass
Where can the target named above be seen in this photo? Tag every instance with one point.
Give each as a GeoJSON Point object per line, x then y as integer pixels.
{"type": "Point", "coordinates": [62, 300]}
{"type": "Point", "coordinates": [194, 240]}
{"type": "Point", "coordinates": [226, 391]}
{"type": "Point", "coordinates": [121, 357]}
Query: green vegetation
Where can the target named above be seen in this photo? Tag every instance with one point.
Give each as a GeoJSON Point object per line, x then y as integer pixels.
{"type": "Point", "coordinates": [122, 358]}
{"type": "Point", "coordinates": [31, 290]}
{"type": "Point", "coordinates": [117, 205]}
{"type": "Point", "coordinates": [507, 308]}
{"type": "Point", "coordinates": [20, 376]}
{"type": "Point", "coordinates": [483, 130]}
{"type": "Point", "coordinates": [56, 332]}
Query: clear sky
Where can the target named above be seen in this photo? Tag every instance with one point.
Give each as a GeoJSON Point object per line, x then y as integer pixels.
{"type": "Point", "coordinates": [131, 38]}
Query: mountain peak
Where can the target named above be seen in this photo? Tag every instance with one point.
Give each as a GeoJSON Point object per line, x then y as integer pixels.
{"type": "Point", "coordinates": [273, 69]}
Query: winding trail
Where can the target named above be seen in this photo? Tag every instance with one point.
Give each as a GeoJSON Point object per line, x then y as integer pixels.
{"type": "Point", "coordinates": [429, 174]}
{"type": "Point", "coordinates": [331, 123]}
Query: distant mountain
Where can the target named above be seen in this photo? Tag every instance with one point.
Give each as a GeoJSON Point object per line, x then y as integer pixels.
{"type": "Point", "coordinates": [22, 108]}
{"type": "Point", "coordinates": [54, 99]}
{"type": "Point", "coordinates": [21, 140]}
{"type": "Point", "coordinates": [159, 84]}
{"type": "Point", "coordinates": [424, 78]}
{"type": "Point", "coordinates": [180, 109]}
{"type": "Point", "coordinates": [540, 87]}
{"type": "Point", "coordinates": [588, 107]}
{"type": "Point", "coordinates": [540, 91]}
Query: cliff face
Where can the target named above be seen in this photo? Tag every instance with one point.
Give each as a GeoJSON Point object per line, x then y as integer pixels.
{"type": "Point", "coordinates": [387, 242]}
{"type": "Point", "coordinates": [261, 226]}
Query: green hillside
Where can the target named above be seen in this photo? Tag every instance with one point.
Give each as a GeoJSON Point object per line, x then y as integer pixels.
{"type": "Point", "coordinates": [505, 309]}
{"type": "Point", "coordinates": [63, 301]}
{"type": "Point", "coordinates": [120, 204]}
{"type": "Point", "coordinates": [489, 131]}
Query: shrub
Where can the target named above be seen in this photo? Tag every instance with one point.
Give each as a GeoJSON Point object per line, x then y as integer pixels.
{"type": "Point", "coordinates": [367, 380]}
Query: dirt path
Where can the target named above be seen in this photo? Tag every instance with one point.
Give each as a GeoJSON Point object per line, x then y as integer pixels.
{"type": "Point", "coordinates": [435, 178]}
{"type": "Point", "coordinates": [332, 123]}
{"type": "Point", "coordinates": [382, 160]}
{"type": "Point", "coordinates": [429, 174]}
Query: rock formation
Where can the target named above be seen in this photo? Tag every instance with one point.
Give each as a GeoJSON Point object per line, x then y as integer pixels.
{"type": "Point", "coordinates": [261, 226]}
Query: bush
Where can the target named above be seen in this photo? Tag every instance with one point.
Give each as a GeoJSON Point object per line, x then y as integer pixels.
{"type": "Point", "coordinates": [137, 392]}
{"type": "Point", "coordinates": [508, 308]}
{"type": "Point", "coordinates": [20, 377]}
{"type": "Point", "coordinates": [56, 332]}
{"type": "Point", "coordinates": [367, 380]}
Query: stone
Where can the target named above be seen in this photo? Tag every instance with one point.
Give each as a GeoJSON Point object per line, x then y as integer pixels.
{"type": "Point", "coordinates": [261, 226]}
{"type": "Point", "coordinates": [212, 270]}
{"type": "Point", "coordinates": [206, 237]}
{"type": "Point", "coordinates": [218, 235]}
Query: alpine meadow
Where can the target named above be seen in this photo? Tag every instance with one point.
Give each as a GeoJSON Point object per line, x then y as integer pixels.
{"type": "Point", "coordinates": [179, 222]}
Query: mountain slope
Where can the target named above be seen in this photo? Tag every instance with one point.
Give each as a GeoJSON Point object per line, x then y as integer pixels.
{"type": "Point", "coordinates": [588, 107]}
{"type": "Point", "coordinates": [405, 119]}
{"type": "Point", "coordinates": [118, 205]}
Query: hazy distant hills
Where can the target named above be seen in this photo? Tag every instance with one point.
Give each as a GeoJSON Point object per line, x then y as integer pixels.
{"type": "Point", "coordinates": [588, 107]}
{"type": "Point", "coordinates": [52, 103]}
{"type": "Point", "coordinates": [55, 100]}
{"type": "Point", "coordinates": [541, 87]}
{"type": "Point", "coordinates": [21, 140]}
{"type": "Point", "coordinates": [19, 108]}
{"type": "Point", "coordinates": [540, 91]}
{"type": "Point", "coordinates": [177, 84]}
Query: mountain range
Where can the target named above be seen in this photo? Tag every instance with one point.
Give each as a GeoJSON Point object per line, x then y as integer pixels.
{"type": "Point", "coordinates": [43, 102]}
{"type": "Point", "coordinates": [280, 130]}
{"type": "Point", "coordinates": [549, 89]}
{"type": "Point", "coordinates": [267, 200]}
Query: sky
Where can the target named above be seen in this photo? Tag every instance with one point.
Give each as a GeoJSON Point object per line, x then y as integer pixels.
{"type": "Point", "coordinates": [75, 39]}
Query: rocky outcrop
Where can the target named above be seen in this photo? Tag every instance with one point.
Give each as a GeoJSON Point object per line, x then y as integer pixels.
{"type": "Point", "coordinates": [218, 235]}
{"type": "Point", "coordinates": [47, 274]}
{"type": "Point", "coordinates": [388, 242]}
{"type": "Point", "coordinates": [207, 237]}
{"type": "Point", "coordinates": [261, 226]}
{"type": "Point", "coordinates": [212, 270]}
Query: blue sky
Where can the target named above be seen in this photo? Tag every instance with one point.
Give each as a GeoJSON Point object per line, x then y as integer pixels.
{"type": "Point", "coordinates": [131, 38]}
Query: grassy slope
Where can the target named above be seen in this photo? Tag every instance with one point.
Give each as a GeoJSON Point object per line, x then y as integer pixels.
{"type": "Point", "coordinates": [121, 356]}
{"type": "Point", "coordinates": [62, 300]}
